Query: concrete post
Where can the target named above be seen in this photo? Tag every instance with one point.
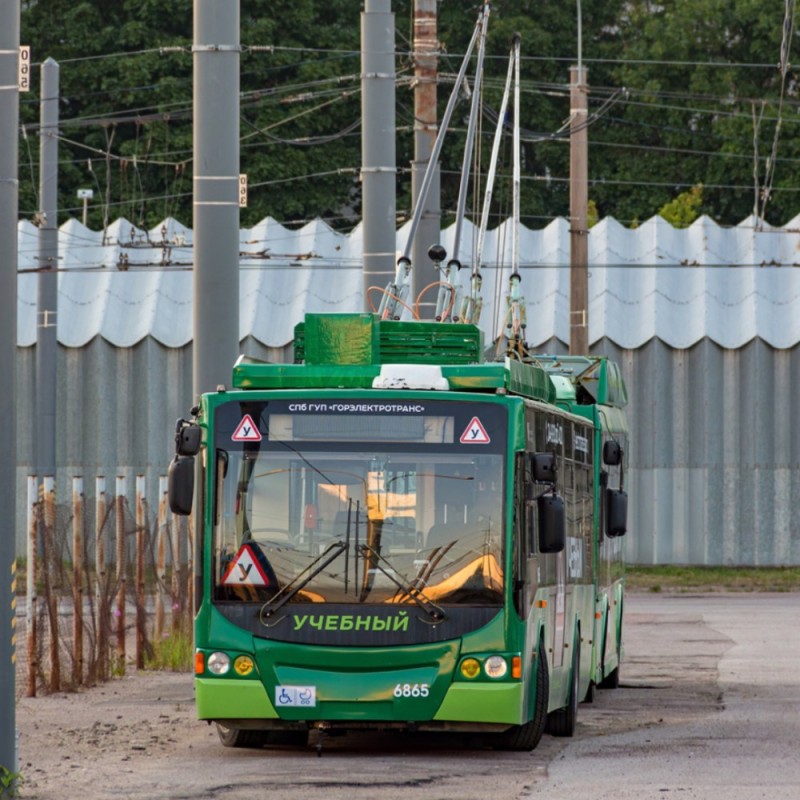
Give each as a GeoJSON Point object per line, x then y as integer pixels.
{"type": "Point", "coordinates": [378, 153]}
{"type": "Point", "coordinates": [216, 200]}
{"type": "Point", "coordinates": [9, 212]}
{"type": "Point", "coordinates": [426, 46]}
{"type": "Point", "coordinates": [578, 214]}
{"type": "Point", "coordinates": [46, 342]}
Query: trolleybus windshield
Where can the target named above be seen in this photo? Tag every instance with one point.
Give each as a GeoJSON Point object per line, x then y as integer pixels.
{"type": "Point", "coordinates": [379, 503]}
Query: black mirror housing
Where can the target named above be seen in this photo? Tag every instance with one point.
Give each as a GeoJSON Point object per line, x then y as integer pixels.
{"type": "Point", "coordinates": [543, 467]}
{"type": "Point", "coordinates": [187, 438]}
{"type": "Point", "coordinates": [552, 523]}
{"type": "Point", "coordinates": [180, 485]}
{"type": "Point", "coordinates": [612, 453]}
{"type": "Point", "coordinates": [616, 512]}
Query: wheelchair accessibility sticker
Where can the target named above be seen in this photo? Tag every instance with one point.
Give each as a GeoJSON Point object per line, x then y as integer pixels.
{"type": "Point", "coordinates": [295, 696]}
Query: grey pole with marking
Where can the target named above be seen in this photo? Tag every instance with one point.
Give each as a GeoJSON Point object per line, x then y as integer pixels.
{"type": "Point", "coordinates": [426, 46]}
{"type": "Point", "coordinates": [378, 153]}
{"type": "Point", "coordinates": [216, 201]}
{"type": "Point", "coordinates": [47, 303]}
{"type": "Point", "coordinates": [9, 211]}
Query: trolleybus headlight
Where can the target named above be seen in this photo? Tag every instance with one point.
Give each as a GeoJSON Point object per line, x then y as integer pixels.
{"type": "Point", "coordinates": [496, 667]}
{"type": "Point", "coordinates": [219, 663]}
{"type": "Point", "coordinates": [470, 668]}
{"type": "Point", "coordinates": [243, 665]}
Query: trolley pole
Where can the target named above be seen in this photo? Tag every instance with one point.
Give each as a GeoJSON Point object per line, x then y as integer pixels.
{"type": "Point", "coordinates": [578, 214]}
{"type": "Point", "coordinates": [9, 212]}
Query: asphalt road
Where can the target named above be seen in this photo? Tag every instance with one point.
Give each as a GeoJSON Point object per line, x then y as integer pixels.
{"type": "Point", "coordinates": [748, 748]}
{"type": "Point", "coordinates": [708, 708]}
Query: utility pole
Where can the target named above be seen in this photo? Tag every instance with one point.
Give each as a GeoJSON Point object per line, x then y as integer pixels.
{"type": "Point", "coordinates": [426, 46]}
{"type": "Point", "coordinates": [9, 213]}
{"type": "Point", "coordinates": [378, 154]}
{"type": "Point", "coordinates": [47, 279]}
{"type": "Point", "coordinates": [216, 200]}
{"type": "Point", "coordinates": [578, 214]}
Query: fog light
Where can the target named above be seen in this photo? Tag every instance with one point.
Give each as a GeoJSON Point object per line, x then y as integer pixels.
{"type": "Point", "coordinates": [219, 663]}
{"type": "Point", "coordinates": [496, 667]}
{"type": "Point", "coordinates": [470, 668]}
{"type": "Point", "coordinates": [243, 665]}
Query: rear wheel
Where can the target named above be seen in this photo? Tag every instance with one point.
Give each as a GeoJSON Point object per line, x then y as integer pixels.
{"type": "Point", "coordinates": [241, 737]}
{"type": "Point", "coordinates": [526, 737]}
{"type": "Point", "coordinates": [611, 681]}
{"type": "Point", "coordinates": [562, 721]}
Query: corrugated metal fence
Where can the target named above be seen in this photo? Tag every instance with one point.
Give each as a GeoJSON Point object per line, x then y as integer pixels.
{"type": "Point", "coordinates": [714, 472]}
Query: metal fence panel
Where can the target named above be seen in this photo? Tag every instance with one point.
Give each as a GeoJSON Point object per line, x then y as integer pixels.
{"type": "Point", "coordinates": [714, 456]}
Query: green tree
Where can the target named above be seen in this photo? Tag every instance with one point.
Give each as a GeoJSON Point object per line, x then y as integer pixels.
{"type": "Point", "coordinates": [680, 93]}
{"type": "Point", "coordinates": [684, 209]}
{"type": "Point", "coordinates": [689, 117]}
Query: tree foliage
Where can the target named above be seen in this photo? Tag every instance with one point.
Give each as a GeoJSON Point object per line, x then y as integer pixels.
{"type": "Point", "coordinates": [681, 94]}
{"type": "Point", "coordinates": [684, 209]}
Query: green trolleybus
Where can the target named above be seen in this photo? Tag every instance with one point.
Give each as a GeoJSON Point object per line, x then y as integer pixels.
{"type": "Point", "coordinates": [393, 533]}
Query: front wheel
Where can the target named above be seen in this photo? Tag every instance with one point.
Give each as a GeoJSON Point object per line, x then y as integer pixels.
{"type": "Point", "coordinates": [526, 737]}
{"type": "Point", "coordinates": [238, 737]}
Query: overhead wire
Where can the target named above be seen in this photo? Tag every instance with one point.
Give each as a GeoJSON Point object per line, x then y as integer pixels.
{"type": "Point", "coordinates": [260, 95]}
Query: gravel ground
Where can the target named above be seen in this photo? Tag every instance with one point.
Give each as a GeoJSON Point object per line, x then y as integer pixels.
{"type": "Point", "coordinates": [137, 736]}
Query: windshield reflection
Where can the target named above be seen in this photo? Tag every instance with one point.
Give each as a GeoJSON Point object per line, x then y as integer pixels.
{"type": "Point", "coordinates": [350, 527]}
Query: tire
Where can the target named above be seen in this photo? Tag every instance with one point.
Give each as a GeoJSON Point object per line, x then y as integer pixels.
{"type": "Point", "coordinates": [610, 681]}
{"type": "Point", "coordinates": [525, 737]}
{"type": "Point", "coordinates": [562, 722]}
{"type": "Point", "coordinates": [239, 737]}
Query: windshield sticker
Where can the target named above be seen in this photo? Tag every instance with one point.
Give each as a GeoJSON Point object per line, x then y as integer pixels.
{"type": "Point", "coordinates": [246, 570]}
{"type": "Point", "coordinates": [246, 431]}
{"type": "Point", "coordinates": [475, 433]}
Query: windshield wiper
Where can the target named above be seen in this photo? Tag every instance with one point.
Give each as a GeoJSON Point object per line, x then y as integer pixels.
{"type": "Point", "coordinates": [327, 556]}
{"type": "Point", "coordinates": [435, 613]}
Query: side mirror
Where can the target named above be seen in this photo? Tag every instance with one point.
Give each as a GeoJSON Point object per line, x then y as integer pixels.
{"type": "Point", "coordinates": [612, 453]}
{"type": "Point", "coordinates": [543, 467]}
{"type": "Point", "coordinates": [180, 485]}
{"type": "Point", "coordinates": [552, 523]}
{"type": "Point", "coordinates": [616, 512]}
{"type": "Point", "coordinates": [187, 438]}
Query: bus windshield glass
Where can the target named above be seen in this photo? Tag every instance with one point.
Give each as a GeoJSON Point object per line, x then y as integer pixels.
{"type": "Point", "coordinates": [359, 503]}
